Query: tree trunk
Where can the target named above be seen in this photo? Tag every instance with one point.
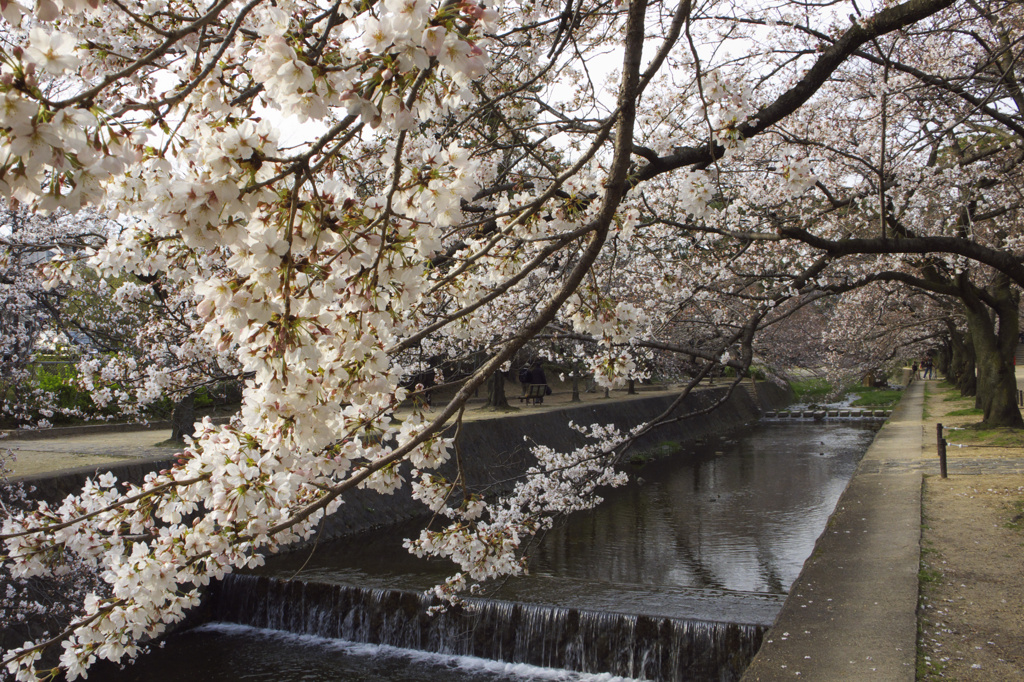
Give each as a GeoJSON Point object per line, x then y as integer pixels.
{"type": "Point", "coordinates": [960, 370]}
{"type": "Point", "coordinates": [944, 357]}
{"type": "Point", "coordinates": [632, 387]}
{"type": "Point", "coordinates": [942, 362]}
{"type": "Point", "coordinates": [183, 419]}
{"type": "Point", "coordinates": [967, 382]}
{"type": "Point", "coordinates": [496, 397]}
{"type": "Point", "coordinates": [983, 341]}
{"type": "Point", "coordinates": [576, 386]}
{"type": "Point", "coordinates": [994, 344]}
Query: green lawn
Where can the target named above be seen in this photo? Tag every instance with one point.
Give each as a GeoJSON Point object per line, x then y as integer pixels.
{"type": "Point", "coordinates": [811, 390]}
{"type": "Point", "coordinates": [877, 397]}
{"type": "Point", "coordinates": [998, 438]}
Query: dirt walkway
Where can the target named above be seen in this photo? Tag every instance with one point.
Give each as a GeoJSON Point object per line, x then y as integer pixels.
{"type": "Point", "coordinates": [970, 618]}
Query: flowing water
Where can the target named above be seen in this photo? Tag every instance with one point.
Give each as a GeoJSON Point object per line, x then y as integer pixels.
{"type": "Point", "coordinates": [675, 577]}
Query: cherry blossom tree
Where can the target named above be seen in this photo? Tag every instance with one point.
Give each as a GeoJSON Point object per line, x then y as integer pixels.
{"type": "Point", "coordinates": [334, 185]}
{"type": "Point", "coordinates": [946, 192]}
{"type": "Point", "coordinates": [955, 358]}
{"type": "Point", "coordinates": [133, 342]}
{"type": "Point", "coordinates": [882, 326]}
{"type": "Point", "coordinates": [917, 180]}
{"type": "Point", "coordinates": [29, 312]}
{"type": "Point", "coordinates": [41, 606]}
{"type": "Point", "coordinates": [148, 349]}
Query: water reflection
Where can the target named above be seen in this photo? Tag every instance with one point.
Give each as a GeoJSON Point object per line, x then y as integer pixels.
{"type": "Point", "coordinates": [731, 516]}
{"type": "Point", "coordinates": [740, 515]}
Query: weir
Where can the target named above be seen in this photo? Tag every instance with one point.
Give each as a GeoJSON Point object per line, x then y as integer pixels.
{"type": "Point", "coordinates": [636, 646]}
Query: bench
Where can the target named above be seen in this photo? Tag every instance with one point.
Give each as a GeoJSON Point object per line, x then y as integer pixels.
{"type": "Point", "coordinates": [534, 393]}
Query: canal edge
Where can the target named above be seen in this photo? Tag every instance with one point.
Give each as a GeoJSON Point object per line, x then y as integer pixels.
{"type": "Point", "coordinates": [851, 614]}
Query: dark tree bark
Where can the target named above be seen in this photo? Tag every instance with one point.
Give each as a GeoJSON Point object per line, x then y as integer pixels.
{"type": "Point", "coordinates": [576, 386]}
{"type": "Point", "coordinates": [959, 368]}
{"type": "Point", "coordinates": [631, 390]}
{"type": "Point", "coordinates": [496, 397]}
{"type": "Point", "coordinates": [967, 380]}
{"type": "Point", "coordinates": [994, 341]}
{"type": "Point", "coordinates": [943, 359]}
{"type": "Point", "coordinates": [183, 418]}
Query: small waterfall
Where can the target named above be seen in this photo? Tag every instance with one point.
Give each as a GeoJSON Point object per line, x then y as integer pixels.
{"type": "Point", "coordinates": [829, 415]}
{"type": "Point", "coordinates": [654, 648]}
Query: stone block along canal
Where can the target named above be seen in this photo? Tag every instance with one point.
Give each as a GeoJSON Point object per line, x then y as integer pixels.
{"type": "Point", "coordinates": [675, 577]}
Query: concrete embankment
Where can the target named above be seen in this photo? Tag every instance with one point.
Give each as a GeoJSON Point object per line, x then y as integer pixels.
{"type": "Point", "coordinates": [851, 615]}
{"type": "Point", "coordinates": [494, 450]}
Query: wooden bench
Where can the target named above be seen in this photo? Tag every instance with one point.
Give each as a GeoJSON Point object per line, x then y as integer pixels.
{"type": "Point", "coordinates": [534, 393]}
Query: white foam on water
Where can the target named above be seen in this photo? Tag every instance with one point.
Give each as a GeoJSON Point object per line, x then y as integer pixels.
{"type": "Point", "coordinates": [520, 671]}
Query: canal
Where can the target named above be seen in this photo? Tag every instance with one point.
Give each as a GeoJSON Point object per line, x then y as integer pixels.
{"type": "Point", "coordinates": [675, 577]}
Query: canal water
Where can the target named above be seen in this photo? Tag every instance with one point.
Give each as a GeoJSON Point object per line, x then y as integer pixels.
{"type": "Point", "coordinates": [675, 577]}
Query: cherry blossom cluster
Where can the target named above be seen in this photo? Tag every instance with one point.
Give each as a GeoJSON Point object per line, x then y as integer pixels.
{"type": "Point", "coordinates": [484, 541]}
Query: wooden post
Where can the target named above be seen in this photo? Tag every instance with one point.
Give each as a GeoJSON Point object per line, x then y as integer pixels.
{"type": "Point", "coordinates": [942, 451]}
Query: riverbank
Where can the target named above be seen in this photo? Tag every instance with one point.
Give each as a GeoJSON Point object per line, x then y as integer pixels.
{"type": "Point", "coordinates": [498, 443]}
{"type": "Point", "coordinates": [40, 453]}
